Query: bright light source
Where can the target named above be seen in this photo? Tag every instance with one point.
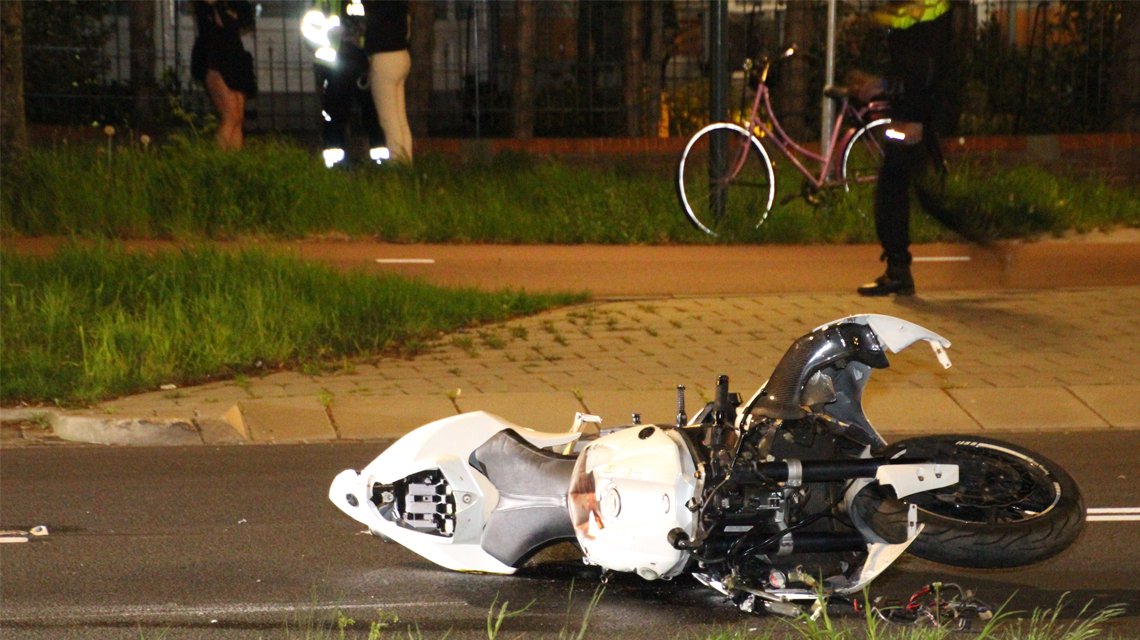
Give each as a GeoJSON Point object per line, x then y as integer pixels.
{"type": "Point", "coordinates": [379, 154]}
{"type": "Point", "coordinates": [332, 156]}
{"type": "Point", "coordinates": [895, 134]}
{"type": "Point", "coordinates": [315, 27]}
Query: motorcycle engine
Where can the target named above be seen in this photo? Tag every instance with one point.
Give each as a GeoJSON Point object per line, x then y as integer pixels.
{"type": "Point", "coordinates": [772, 536]}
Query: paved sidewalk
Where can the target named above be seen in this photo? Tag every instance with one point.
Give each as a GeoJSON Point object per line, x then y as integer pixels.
{"type": "Point", "coordinates": [1023, 360]}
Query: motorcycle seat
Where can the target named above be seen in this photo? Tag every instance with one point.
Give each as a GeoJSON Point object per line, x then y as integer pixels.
{"type": "Point", "coordinates": [532, 512]}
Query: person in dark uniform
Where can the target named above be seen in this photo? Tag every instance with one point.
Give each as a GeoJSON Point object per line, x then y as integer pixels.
{"type": "Point", "coordinates": [386, 41]}
{"type": "Point", "coordinates": [918, 85]}
{"type": "Point", "coordinates": [220, 61]}
{"type": "Point", "coordinates": [336, 29]}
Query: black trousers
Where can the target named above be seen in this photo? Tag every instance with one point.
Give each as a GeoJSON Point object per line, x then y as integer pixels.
{"type": "Point", "coordinates": [343, 85]}
{"type": "Point", "coordinates": [902, 167]}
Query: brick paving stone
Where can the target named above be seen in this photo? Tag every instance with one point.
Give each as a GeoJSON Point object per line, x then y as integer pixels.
{"type": "Point", "coordinates": [1119, 405]}
{"type": "Point", "coordinates": [553, 411]}
{"type": "Point", "coordinates": [1026, 409]}
{"type": "Point", "coordinates": [916, 411]}
{"type": "Point", "coordinates": [618, 407]}
{"type": "Point", "coordinates": [387, 416]}
{"type": "Point", "coordinates": [281, 420]}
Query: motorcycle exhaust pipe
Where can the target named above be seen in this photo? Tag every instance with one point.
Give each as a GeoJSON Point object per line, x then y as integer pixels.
{"type": "Point", "coordinates": [796, 472]}
{"type": "Point", "coordinates": [789, 543]}
{"type": "Point", "coordinates": [815, 542]}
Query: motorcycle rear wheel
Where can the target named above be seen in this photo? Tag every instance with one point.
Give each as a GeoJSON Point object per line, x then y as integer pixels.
{"type": "Point", "coordinates": [1011, 506]}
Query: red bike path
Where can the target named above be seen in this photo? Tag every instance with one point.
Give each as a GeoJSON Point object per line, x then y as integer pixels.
{"type": "Point", "coordinates": [611, 271]}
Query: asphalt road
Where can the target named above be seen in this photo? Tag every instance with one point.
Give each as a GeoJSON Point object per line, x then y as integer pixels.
{"type": "Point", "coordinates": [241, 542]}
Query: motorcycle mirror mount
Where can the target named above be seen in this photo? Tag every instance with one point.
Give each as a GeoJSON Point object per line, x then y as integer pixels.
{"type": "Point", "coordinates": [682, 419]}
{"type": "Point", "coordinates": [723, 407]}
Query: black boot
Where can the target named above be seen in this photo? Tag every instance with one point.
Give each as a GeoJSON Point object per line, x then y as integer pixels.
{"type": "Point", "coordinates": [896, 281]}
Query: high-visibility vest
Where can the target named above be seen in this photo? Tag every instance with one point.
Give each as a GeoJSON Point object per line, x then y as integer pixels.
{"type": "Point", "coordinates": [907, 13]}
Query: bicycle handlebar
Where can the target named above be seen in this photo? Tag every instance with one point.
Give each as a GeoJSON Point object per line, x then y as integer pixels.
{"type": "Point", "coordinates": [767, 60]}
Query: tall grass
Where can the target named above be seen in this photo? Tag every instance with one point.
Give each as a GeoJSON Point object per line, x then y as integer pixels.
{"type": "Point", "coordinates": [93, 322]}
{"type": "Point", "coordinates": [187, 189]}
{"type": "Point", "coordinates": [1041, 624]}
{"type": "Point", "coordinates": [1026, 200]}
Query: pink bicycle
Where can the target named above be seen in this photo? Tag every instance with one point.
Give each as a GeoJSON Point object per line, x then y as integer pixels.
{"type": "Point", "coordinates": [726, 176]}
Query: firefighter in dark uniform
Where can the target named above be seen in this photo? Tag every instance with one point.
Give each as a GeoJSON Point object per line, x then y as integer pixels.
{"type": "Point", "coordinates": [335, 29]}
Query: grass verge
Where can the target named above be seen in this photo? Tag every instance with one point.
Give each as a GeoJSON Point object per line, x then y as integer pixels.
{"type": "Point", "coordinates": [187, 189]}
{"type": "Point", "coordinates": [94, 322]}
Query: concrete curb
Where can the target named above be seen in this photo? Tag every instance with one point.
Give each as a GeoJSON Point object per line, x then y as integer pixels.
{"type": "Point", "coordinates": [127, 431]}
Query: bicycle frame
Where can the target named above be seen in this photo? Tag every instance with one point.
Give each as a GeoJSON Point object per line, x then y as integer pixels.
{"type": "Point", "coordinates": [848, 114]}
{"type": "Point", "coordinates": [853, 153]}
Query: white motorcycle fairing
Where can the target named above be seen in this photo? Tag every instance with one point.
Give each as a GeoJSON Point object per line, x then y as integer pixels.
{"type": "Point", "coordinates": [629, 490]}
{"type": "Point", "coordinates": [424, 492]}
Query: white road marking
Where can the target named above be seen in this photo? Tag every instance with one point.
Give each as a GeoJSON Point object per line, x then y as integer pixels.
{"type": "Point", "coordinates": [1113, 514]}
{"type": "Point", "coordinates": [405, 260]}
{"type": "Point", "coordinates": [145, 611]}
{"type": "Point", "coordinates": [941, 259]}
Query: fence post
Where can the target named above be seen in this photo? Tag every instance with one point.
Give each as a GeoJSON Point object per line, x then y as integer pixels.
{"type": "Point", "coordinates": [827, 111]}
{"type": "Point", "coordinates": [718, 90]}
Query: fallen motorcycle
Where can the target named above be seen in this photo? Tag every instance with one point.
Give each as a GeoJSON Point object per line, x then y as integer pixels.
{"type": "Point", "coordinates": [771, 502]}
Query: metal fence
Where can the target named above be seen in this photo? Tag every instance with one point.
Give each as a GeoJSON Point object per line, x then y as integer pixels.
{"type": "Point", "coordinates": [602, 67]}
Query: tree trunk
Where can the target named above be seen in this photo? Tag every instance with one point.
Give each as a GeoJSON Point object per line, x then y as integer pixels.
{"type": "Point", "coordinates": [523, 109]}
{"type": "Point", "coordinates": [142, 15]}
{"type": "Point", "coordinates": [1124, 87]}
{"type": "Point", "coordinates": [794, 96]}
{"type": "Point", "coordinates": [421, 45]}
{"type": "Point", "coordinates": [13, 121]}
{"type": "Point", "coordinates": [634, 68]}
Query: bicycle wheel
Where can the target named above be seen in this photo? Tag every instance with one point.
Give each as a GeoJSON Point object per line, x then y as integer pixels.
{"type": "Point", "coordinates": [737, 189]}
{"type": "Point", "coordinates": [863, 154]}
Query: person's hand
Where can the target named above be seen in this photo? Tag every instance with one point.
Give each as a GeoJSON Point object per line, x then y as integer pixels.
{"type": "Point", "coordinates": [864, 87]}
{"type": "Point", "coordinates": [871, 89]}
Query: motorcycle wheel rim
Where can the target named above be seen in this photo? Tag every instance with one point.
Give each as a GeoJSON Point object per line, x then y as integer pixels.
{"type": "Point", "coordinates": [996, 485]}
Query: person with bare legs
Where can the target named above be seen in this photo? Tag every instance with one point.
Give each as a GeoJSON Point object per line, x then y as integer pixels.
{"type": "Point", "coordinates": [386, 41]}
{"type": "Point", "coordinates": [221, 63]}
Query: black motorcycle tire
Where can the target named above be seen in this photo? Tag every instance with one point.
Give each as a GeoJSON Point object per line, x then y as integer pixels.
{"type": "Point", "coordinates": [1011, 507]}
